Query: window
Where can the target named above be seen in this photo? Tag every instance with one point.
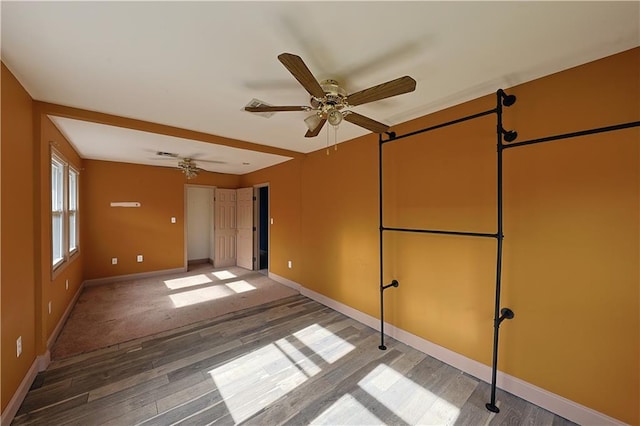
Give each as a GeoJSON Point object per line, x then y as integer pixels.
{"type": "Point", "coordinates": [73, 210]}
{"type": "Point", "coordinates": [57, 210]}
{"type": "Point", "coordinates": [64, 210]}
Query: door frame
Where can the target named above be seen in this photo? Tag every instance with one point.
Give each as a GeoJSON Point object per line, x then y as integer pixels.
{"type": "Point", "coordinates": [256, 224]}
{"type": "Point", "coordinates": [245, 227]}
{"type": "Point", "coordinates": [211, 219]}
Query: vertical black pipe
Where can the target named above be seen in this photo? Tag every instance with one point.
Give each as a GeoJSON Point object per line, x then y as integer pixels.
{"type": "Point", "coordinates": [491, 406]}
{"type": "Point", "coordinates": [382, 346]}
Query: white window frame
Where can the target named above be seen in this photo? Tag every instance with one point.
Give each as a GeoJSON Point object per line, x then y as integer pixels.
{"type": "Point", "coordinates": [64, 206]}
{"type": "Point", "coordinates": [72, 210]}
{"type": "Point", "coordinates": [57, 210]}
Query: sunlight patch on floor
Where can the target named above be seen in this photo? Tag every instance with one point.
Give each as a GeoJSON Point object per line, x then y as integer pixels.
{"type": "Point", "coordinates": [193, 297]}
{"type": "Point", "coordinates": [223, 275]}
{"type": "Point", "coordinates": [191, 281]}
{"type": "Point", "coordinates": [252, 382]}
{"type": "Point", "coordinates": [346, 411]}
{"type": "Point", "coordinates": [323, 342]}
{"type": "Point", "coordinates": [206, 294]}
{"type": "Point", "coordinates": [406, 399]}
{"type": "Point", "coordinates": [301, 361]}
{"type": "Point", "coordinates": [240, 286]}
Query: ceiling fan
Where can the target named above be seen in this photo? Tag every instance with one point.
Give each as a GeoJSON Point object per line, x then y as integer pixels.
{"type": "Point", "coordinates": [330, 102]}
{"type": "Point", "coordinates": [186, 164]}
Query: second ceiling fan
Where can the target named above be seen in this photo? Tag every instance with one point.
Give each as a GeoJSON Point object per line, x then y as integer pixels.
{"type": "Point", "coordinates": [331, 103]}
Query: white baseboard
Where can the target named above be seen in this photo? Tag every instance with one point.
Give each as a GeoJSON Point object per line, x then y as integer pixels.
{"type": "Point", "coordinates": [140, 275]}
{"type": "Point", "coordinates": [39, 364]}
{"type": "Point", "coordinates": [549, 401]}
{"type": "Point", "coordinates": [282, 280]}
{"type": "Point", "coordinates": [63, 319]}
{"type": "Point", "coordinates": [44, 360]}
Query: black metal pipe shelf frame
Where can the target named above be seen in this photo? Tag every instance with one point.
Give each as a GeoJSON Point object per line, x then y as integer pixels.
{"type": "Point", "coordinates": [502, 99]}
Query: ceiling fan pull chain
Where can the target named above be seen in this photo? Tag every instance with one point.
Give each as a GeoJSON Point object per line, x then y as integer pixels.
{"type": "Point", "coordinates": [327, 141]}
{"type": "Point", "coordinates": [335, 138]}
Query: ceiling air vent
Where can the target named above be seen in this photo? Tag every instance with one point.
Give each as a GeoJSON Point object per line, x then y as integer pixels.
{"type": "Point", "coordinates": [166, 154]}
{"type": "Point", "coordinates": [258, 103]}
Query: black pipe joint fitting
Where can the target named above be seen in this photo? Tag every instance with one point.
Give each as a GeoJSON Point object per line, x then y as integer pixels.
{"type": "Point", "coordinates": [507, 100]}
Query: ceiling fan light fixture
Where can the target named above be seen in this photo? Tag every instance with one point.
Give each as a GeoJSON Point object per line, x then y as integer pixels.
{"type": "Point", "coordinates": [334, 117]}
{"type": "Point", "coordinates": [188, 167]}
{"type": "Point", "coordinates": [312, 121]}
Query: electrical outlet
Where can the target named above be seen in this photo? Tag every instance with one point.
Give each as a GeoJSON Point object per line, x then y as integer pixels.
{"type": "Point", "coordinates": [114, 260]}
{"type": "Point", "coordinates": [49, 307]}
{"type": "Point", "coordinates": [290, 264]}
{"type": "Point", "coordinates": [139, 258]}
{"type": "Point", "coordinates": [19, 346]}
{"type": "Point", "coordinates": [66, 285]}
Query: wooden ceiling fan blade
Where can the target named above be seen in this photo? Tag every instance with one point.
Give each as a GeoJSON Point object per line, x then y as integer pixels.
{"type": "Point", "coordinates": [276, 108]}
{"type": "Point", "coordinates": [391, 88]}
{"type": "Point", "coordinates": [299, 70]}
{"type": "Point", "coordinates": [366, 122]}
{"type": "Point", "coordinates": [212, 161]}
{"type": "Point", "coordinates": [314, 132]}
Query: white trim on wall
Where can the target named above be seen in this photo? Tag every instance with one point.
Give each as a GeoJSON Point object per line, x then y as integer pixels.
{"type": "Point", "coordinates": [140, 275]}
{"type": "Point", "coordinates": [18, 397]}
{"type": "Point", "coordinates": [549, 401]}
{"type": "Point", "coordinates": [63, 319]}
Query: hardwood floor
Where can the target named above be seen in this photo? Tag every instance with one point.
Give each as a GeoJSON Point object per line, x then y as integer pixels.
{"type": "Point", "coordinates": [291, 361]}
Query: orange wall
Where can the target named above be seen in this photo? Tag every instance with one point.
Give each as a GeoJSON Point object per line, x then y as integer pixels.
{"type": "Point", "coordinates": [571, 224]}
{"type": "Point", "coordinates": [17, 234]}
{"type": "Point", "coordinates": [572, 216]}
{"type": "Point", "coordinates": [284, 207]}
{"type": "Point", "coordinates": [124, 233]}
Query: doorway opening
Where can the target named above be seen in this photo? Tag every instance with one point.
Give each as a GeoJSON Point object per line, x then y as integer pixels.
{"type": "Point", "coordinates": [199, 225]}
{"type": "Point", "coordinates": [261, 248]}
{"type": "Point", "coordinates": [225, 227]}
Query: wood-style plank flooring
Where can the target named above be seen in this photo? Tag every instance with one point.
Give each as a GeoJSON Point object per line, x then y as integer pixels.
{"type": "Point", "coordinates": [291, 361]}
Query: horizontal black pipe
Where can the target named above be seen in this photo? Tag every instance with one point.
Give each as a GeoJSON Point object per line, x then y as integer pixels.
{"type": "Point", "coordinates": [439, 126]}
{"type": "Point", "coordinates": [437, 231]}
{"type": "Point", "coordinates": [394, 283]}
{"type": "Point", "coordinates": [573, 134]}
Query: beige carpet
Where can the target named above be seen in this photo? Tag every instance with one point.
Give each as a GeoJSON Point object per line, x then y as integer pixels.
{"type": "Point", "coordinates": [109, 314]}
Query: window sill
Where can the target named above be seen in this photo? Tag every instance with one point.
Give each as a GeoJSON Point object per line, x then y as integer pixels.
{"type": "Point", "coordinates": [57, 269]}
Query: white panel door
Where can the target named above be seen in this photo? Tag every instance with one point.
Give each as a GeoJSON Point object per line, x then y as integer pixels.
{"type": "Point", "coordinates": [225, 228]}
{"type": "Point", "coordinates": [245, 228]}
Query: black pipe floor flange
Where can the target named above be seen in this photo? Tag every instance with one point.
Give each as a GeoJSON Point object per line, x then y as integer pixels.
{"type": "Point", "coordinates": [492, 408]}
{"type": "Point", "coordinates": [507, 313]}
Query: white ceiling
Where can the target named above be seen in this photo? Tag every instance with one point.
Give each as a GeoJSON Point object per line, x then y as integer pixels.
{"type": "Point", "coordinates": [101, 142]}
{"type": "Point", "coordinates": [195, 65]}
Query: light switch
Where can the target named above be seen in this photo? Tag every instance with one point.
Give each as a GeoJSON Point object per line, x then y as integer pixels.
{"type": "Point", "coordinates": [173, 220]}
{"type": "Point", "coordinates": [139, 258]}
{"type": "Point", "coordinates": [272, 221]}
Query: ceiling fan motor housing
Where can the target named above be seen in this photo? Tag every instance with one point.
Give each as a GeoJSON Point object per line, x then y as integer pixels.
{"type": "Point", "coordinates": [334, 96]}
